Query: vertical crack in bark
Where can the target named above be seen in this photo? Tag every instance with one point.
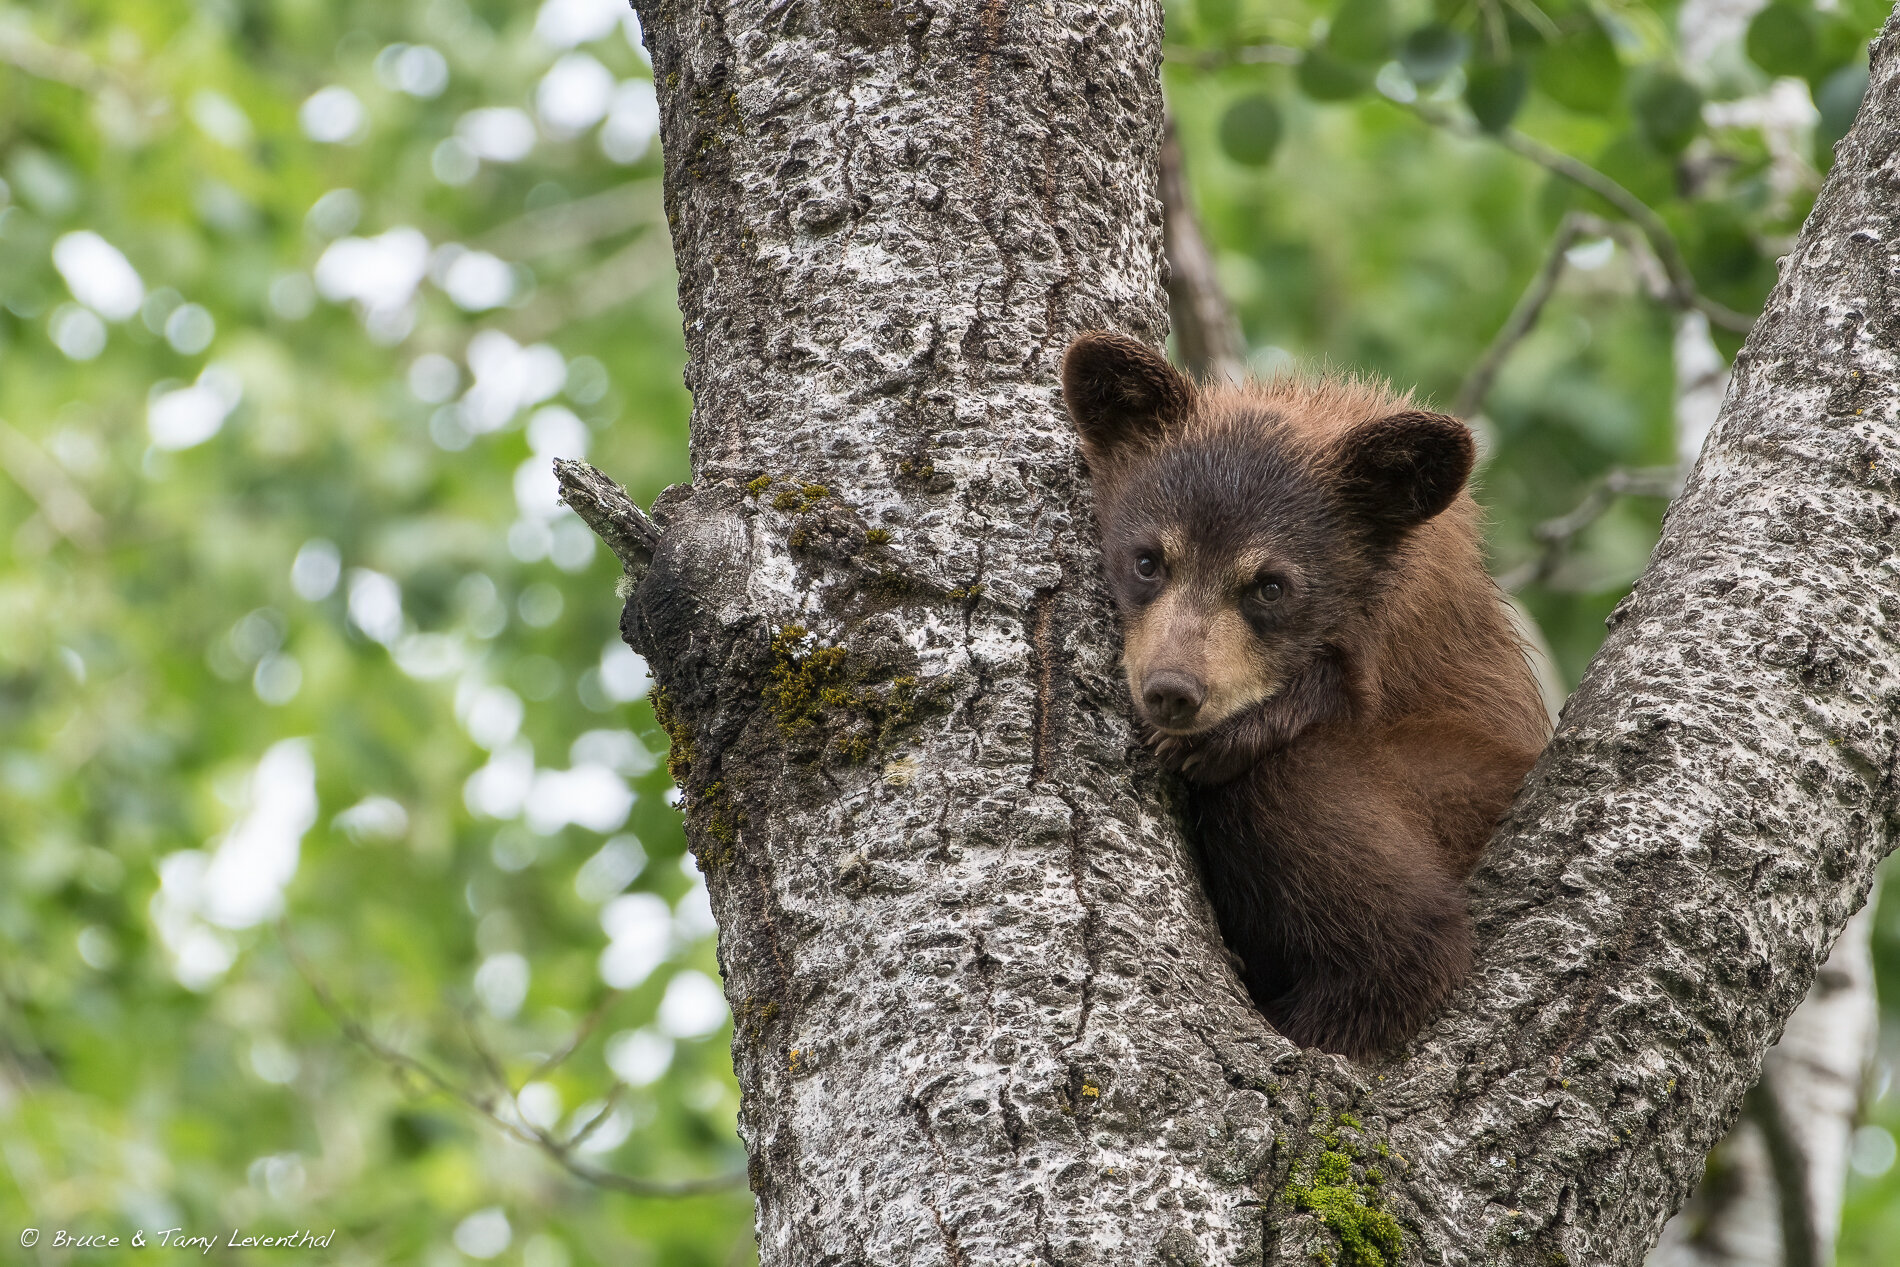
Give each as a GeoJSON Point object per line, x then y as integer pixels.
{"type": "Point", "coordinates": [1006, 1111]}
{"type": "Point", "coordinates": [1044, 613]}
{"type": "Point", "coordinates": [952, 1244]}
{"type": "Point", "coordinates": [1091, 949]}
{"type": "Point", "coordinates": [991, 22]}
{"type": "Point", "coordinates": [1047, 654]}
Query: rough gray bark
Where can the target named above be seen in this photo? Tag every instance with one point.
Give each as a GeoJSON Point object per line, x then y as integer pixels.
{"type": "Point", "coordinates": [1771, 1196]}
{"type": "Point", "coordinates": [982, 1013]}
{"type": "Point", "coordinates": [1811, 1080]}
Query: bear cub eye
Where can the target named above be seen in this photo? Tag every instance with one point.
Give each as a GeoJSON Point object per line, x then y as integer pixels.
{"type": "Point", "coordinates": [1269, 591]}
{"type": "Point", "coordinates": [1146, 566]}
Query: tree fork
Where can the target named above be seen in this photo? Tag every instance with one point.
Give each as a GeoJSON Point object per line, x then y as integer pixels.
{"type": "Point", "coordinates": [981, 1011]}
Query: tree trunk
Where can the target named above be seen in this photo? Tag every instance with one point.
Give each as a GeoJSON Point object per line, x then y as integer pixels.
{"type": "Point", "coordinates": [982, 1012]}
{"type": "Point", "coordinates": [1780, 1207]}
{"type": "Point", "coordinates": [1771, 1194]}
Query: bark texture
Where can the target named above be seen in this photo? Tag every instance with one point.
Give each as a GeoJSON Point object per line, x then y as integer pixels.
{"type": "Point", "coordinates": [982, 1013]}
{"type": "Point", "coordinates": [971, 972]}
{"type": "Point", "coordinates": [1771, 1194]}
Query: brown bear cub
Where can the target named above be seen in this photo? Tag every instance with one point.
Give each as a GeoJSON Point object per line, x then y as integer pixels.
{"type": "Point", "coordinates": [1312, 639]}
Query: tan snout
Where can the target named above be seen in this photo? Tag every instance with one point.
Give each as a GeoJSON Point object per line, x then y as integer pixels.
{"type": "Point", "coordinates": [1170, 698]}
{"type": "Point", "coordinates": [1193, 664]}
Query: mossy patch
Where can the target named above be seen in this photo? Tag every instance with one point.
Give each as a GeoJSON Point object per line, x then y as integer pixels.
{"type": "Point", "coordinates": [800, 677]}
{"type": "Point", "coordinates": [1339, 1183]}
{"type": "Point", "coordinates": [719, 821]}
{"type": "Point", "coordinates": [920, 474]}
{"type": "Point", "coordinates": [679, 733]}
{"type": "Point", "coordinates": [819, 691]}
{"type": "Point", "coordinates": [753, 1018]}
{"type": "Point", "coordinates": [801, 500]}
{"type": "Point", "coordinates": [709, 807]}
{"type": "Point", "coordinates": [1350, 1210]}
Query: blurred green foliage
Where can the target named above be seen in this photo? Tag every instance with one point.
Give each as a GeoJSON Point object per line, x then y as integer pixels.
{"type": "Point", "coordinates": [363, 553]}
{"type": "Point", "coordinates": [296, 302]}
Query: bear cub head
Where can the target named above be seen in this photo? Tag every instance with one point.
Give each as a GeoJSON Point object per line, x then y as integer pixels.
{"type": "Point", "coordinates": [1246, 531]}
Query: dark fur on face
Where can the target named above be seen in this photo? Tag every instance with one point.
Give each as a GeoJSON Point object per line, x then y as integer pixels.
{"type": "Point", "coordinates": [1312, 639]}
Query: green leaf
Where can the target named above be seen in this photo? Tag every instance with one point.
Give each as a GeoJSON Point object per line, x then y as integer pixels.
{"type": "Point", "coordinates": [1217, 17]}
{"type": "Point", "coordinates": [1668, 112]}
{"type": "Point", "coordinates": [1432, 52]}
{"type": "Point", "coordinates": [1782, 40]}
{"type": "Point", "coordinates": [1581, 70]}
{"type": "Point", "coordinates": [1250, 130]}
{"type": "Point", "coordinates": [1324, 77]}
{"type": "Point", "coordinates": [1838, 100]}
{"type": "Point", "coordinates": [1361, 31]}
{"type": "Point", "coordinates": [1634, 164]}
{"type": "Point", "coordinates": [1494, 91]}
{"type": "Point", "coordinates": [1724, 253]}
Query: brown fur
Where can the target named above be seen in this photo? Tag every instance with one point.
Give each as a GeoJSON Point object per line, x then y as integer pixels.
{"type": "Point", "coordinates": [1350, 736]}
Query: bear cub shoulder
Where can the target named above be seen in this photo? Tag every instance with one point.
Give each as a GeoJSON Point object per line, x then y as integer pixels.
{"type": "Point", "coordinates": [1313, 643]}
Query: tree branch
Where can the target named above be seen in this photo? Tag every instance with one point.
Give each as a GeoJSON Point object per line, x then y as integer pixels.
{"type": "Point", "coordinates": [58, 497]}
{"type": "Point", "coordinates": [571, 226]}
{"type": "Point", "coordinates": [1523, 318]}
{"type": "Point", "coordinates": [1206, 333]}
{"type": "Point", "coordinates": [606, 508]}
{"type": "Point", "coordinates": [1683, 291]}
{"type": "Point", "coordinates": [1555, 536]}
{"type": "Point", "coordinates": [1763, 1106]}
{"type": "Point", "coordinates": [484, 1106]}
{"type": "Point", "coordinates": [27, 52]}
{"type": "Point", "coordinates": [1661, 240]}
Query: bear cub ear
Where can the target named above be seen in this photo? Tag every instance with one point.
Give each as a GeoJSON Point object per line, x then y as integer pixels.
{"type": "Point", "coordinates": [1397, 472]}
{"type": "Point", "coordinates": [1121, 394]}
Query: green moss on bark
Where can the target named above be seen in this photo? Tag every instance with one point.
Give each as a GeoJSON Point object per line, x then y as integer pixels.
{"type": "Point", "coordinates": [1349, 1208]}
{"type": "Point", "coordinates": [822, 692]}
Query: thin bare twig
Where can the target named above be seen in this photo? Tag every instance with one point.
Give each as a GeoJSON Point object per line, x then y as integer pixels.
{"type": "Point", "coordinates": [606, 1110]}
{"type": "Point", "coordinates": [1684, 293]}
{"type": "Point", "coordinates": [510, 1121]}
{"type": "Point", "coordinates": [1530, 306]}
{"type": "Point", "coordinates": [627, 530]}
{"type": "Point", "coordinates": [1205, 330]}
{"type": "Point", "coordinates": [1477, 384]}
{"type": "Point", "coordinates": [1555, 536]}
{"type": "Point", "coordinates": [1661, 240]}
{"type": "Point", "coordinates": [581, 1034]}
{"type": "Point", "coordinates": [1206, 59]}
{"type": "Point", "coordinates": [569, 226]}
{"type": "Point", "coordinates": [25, 51]}
{"type": "Point", "coordinates": [491, 1064]}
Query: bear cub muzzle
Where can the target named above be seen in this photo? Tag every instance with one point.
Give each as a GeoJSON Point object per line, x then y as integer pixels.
{"type": "Point", "coordinates": [1312, 642]}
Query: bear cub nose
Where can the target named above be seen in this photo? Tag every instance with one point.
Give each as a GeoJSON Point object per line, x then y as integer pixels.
{"type": "Point", "coordinates": [1171, 698]}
